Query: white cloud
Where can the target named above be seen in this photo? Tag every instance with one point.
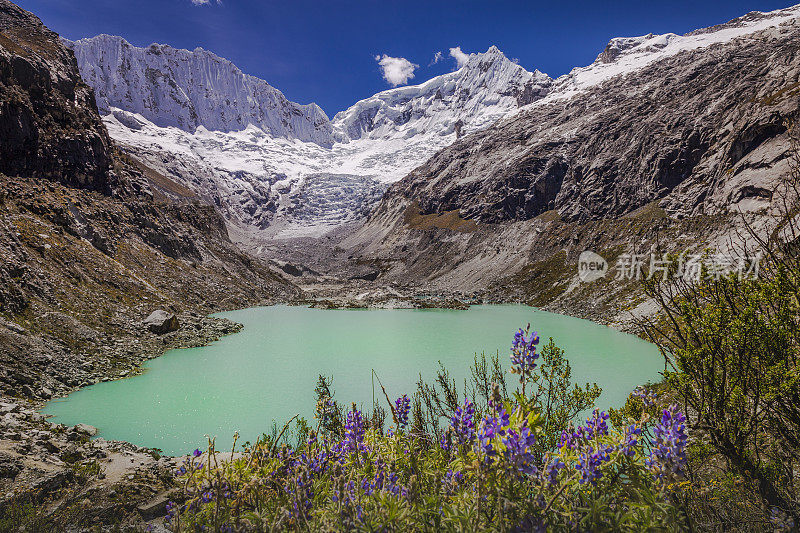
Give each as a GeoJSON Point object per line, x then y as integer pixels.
{"type": "Point", "coordinates": [206, 2]}
{"type": "Point", "coordinates": [396, 70]}
{"type": "Point", "coordinates": [436, 58]}
{"type": "Point", "coordinates": [459, 56]}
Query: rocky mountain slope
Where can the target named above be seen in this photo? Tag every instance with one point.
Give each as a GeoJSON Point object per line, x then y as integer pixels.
{"type": "Point", "coordinates": [707, 121]}
{"type": "Point", "coordinates": [690, 131]}
{"type": "Point", "coordinates": [258, 175]}
{"type": "Point", "coordinates": [91, 243]}
{"type": "Point", "coordinates": [91, 240]}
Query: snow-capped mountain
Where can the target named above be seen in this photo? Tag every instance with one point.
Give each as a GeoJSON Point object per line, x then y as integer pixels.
{"type": "Point", "coordinates": [485, 89]}
{"type": "Point", "coordinates": [187, 89]}
{"type": "Point", "coordinates": [284, 181]}
{"type": "Point", "coordinates": [287, 170]}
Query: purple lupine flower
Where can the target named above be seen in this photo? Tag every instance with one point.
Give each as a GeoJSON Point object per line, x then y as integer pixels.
{"type": "Point", "coordinates": [197, 453]}
{"type": "Point", "coordinates": [523, 352]}
{"type": "Point", "coordinates": [589, 464]}
{"type": "Point", "coordinates": [172, 511]}
{"type": "Point", "coordinates": [383, 480]}
{"type": "Point", "coordinates": [569, 439]}
{"type": "Point", "coordinates": [631, 439]}
{"type": "Point", "coordinates": [463, 423]}
{"type": "Point", "coordinates": [207, 497]}
{"type": "Point", "coordinates": [596, 425]}
{"type": "Point", "coordinates": [492, 426]}
{"type": "Point", "coordinates": [780, 520]}
{"type": "Point", "coordinates": [669, 444]}
{"type": "Point", "coordinates": [552, 469]}
{"type": "Point", "coordinates": [452, 480]}
{"type": "Point", "coordinates": [402, 406]}
{"type": "Point", "coordinates": [648, 397]}
{"type": "Point", "coordinates": [517, 452]}
{"type": "Point", "coordinates": [445, 441]}
{"type": "Point", "coordinates": [354, 429]}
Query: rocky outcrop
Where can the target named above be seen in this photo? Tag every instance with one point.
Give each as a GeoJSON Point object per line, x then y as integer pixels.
{"type": "Point", "coordinates": [49, 126]}
{"type": "Point", "coordinates": [54, 478]}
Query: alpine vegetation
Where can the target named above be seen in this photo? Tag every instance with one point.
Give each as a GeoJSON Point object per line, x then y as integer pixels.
{"type": "Point", "coordinates": [489, 469]}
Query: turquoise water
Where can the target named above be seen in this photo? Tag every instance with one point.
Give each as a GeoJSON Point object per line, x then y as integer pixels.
{"type": "Point", "coordinates": [267, 372]}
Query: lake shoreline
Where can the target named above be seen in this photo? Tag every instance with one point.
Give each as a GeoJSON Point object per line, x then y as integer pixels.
{"type": "Point", "coordinates": [40, 443]}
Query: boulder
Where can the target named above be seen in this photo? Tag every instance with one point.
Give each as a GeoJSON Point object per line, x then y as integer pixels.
{"type": "Point", "coordinates": [160, 322]}
{"type": "Point", "coordinates": [85, 429]}
{"type": "Point", "coordinates": [10, 465]}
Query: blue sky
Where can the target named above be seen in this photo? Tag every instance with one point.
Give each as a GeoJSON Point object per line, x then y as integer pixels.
{"type": "Point", "coordinates": [325, 52]}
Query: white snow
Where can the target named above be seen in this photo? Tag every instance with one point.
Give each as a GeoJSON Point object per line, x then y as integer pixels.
{"type": "Point", "coordinates": [633, 53]}
{"type": "Point", "coordinates": [286, 168]}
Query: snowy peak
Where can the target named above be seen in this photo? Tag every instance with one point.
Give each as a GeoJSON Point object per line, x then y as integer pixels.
{"type": "Point", "coordinates": [624, 55]}
{"type": "Point", "coordinates": [488, 86]}
{"type": "Point", "coordinates": [188, 89]}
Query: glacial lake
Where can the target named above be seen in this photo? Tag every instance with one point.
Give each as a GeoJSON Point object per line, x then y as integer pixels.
{"type": "Point", "coordinates": [268, 371]}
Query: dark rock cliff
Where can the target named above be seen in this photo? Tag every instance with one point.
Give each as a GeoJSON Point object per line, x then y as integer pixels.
{"type": "Point", "coordinates": [49, 125]}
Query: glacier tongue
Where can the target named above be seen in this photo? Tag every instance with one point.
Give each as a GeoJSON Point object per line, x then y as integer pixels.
{"type": "Point", "coordinates": [260, 175]}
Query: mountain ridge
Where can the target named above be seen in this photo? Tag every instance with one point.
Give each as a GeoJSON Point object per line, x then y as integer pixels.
{"type": "Point", "coordinates": [187, 89]}
{"type": "Point", "coordinates": [258, 180]}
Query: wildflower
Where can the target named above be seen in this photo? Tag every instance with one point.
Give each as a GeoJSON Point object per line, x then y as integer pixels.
{"type": "Point", "coordinates": [630, 440]}
{"type": "Point", "coordinates": [172, 511]}
{"type": "Point", "coordinates": [463, 423]}
{"type": "Point", "coordinates": [517, 452]}
{"type": "Point", "coordinates": [523, 353]}
{"type": "Point", "coordinates": [207, 497]}
{"type": "Point", "coordinates": [596, 425]}
{"type": "Point", "coordinates": [446, 440]}
{"type": "Point", "coordinates": [552, 469]}
{"type": "Point", "coordinates": [402, 406]}
{"type": "Point", "coordinates": [452, 480]}
{"type": "Point", "coordinates": [569, 439]}
{"type": "Point", "coordinates": [669, 444]}
{"type": "Point", "coordinates": [354, 429]}
{"type": "Point", "coordinates": [780, 520]}
{"type": "Point", "coordinates": [589, 464]}
{"type": "Point", "coordinates": [492, 426]}
{"type": "Point", "coordinates": [648, 397]}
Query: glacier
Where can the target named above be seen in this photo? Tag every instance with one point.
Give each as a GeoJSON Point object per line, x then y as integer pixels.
{"type": "Point", "coordinates": [278, 169]}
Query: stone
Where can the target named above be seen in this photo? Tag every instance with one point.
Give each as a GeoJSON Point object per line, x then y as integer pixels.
{"type": "Point", "coordinates": [155, 507]}
{"type": "Point", "coordinates": [85, 429]}
{"type": "Point", "coordinates": [6, 407]}
{"type": "Point", "coordinates": [160, 322]}
{"type": "Point", "coordinates": [10, 465]}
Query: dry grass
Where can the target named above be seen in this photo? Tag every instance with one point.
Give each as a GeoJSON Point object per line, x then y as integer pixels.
{"type": "Point", "coordinates": [449, 220]}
